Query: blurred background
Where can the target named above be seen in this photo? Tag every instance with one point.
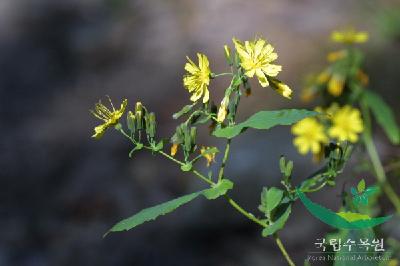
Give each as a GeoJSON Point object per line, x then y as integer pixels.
{"type": "Point", "coordinates": [61, 190]}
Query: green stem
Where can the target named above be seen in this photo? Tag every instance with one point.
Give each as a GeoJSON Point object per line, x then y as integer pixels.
{"type": "Point", "coordinates": [283, 250]}
{"type": "Point", "coordinates": [233, 203]}
{"type": "Point", "coordinates": [202, 177]}
{"type": "Point", "coordinates": [222, 74]}
{"type": "Point", "coordinates": [224, 160]}
{"type": "Point", "coordinates": [250, 216]}
{"type": "Point", "coordinates": [263, 224]}
{"type": "Point", "coordinates": [309, 190]}
{"type": "Point", "coordinates": [376, 162]}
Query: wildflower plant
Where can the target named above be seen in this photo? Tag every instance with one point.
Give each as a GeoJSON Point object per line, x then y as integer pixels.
{"type": "Point", "coordinates": [313, 130]}
{"type": "Point", "coordinates": [350, 110]}
{"type": "Point", "coordinates": [348, 105]}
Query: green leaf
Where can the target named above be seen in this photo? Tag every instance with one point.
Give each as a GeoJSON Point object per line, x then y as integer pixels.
{"type": "Point", "coordinates": [138, 147]}
{"type": "Point", "coordinates": [335, 220]}
{"type": "Point", "coordinates": [154, 212]}
{"type": "Point", "coordinates": [202, 119]}
{"type": "Point", "coordinates": [278, 224]}
{"type": "Point", "coordinates": [183, 111]}
{"type": "Point", "coordinates": [186, 167]}
{"type": "Point", "coordinates": [273, 197]}
{"type": "Point", "coordinates": [263, 206]}
{"type": "Point", "coordinates": [219, 189]}
{"type": "Point", "coordinates": [383, 115]}
{"type": "Point", "coordinates": [158, 146]}
{"type": "Point", "coordinates": [265, 120]}
{"type": "Point", "coordinates": [361, 186]}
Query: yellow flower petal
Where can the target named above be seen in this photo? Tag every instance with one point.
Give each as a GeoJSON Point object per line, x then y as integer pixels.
{"type": "Point", "coordinates": [223, 109]}
{"type": "Point", "coordinates": [206, 96]}
{"type": "Point", "coordinates": [336, 85]}
{"type": "Point", "coordinates": [174, 149]}
{"type": "Point", "coordinates": [109, 117]}
{"type": "Point", "coordinates": [198, 78]}
{"type": "Point", "coordinates": [262, 78]}
{"type": "Point", "coordinates": [255, 58]}
{"type": "Point", "coordinates": [346, 124]}
{"type": "Point", "coordinates": [310, 135]}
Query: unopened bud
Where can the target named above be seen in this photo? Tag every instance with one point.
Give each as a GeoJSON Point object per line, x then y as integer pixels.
{"type": "Point", "coordinates": [228, 57]}
{"type": "Point", "coordinates": [223, 109]}
{"type": "Point", "coordinates": [130, 121]}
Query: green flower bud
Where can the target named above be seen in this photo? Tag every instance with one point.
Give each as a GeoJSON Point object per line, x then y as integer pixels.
{"type": "Point", "coordinates": [187, 139]}
{"type": "Point", "coordinates": [140, 115]}
{"type": "Point", "coordinates": [139, 120]}
{"type": "Point", "coordinates": [138, 107]}
{"type": "Point", "coordinates": [130, 121]}
{"type": "Point", "coordinates": [227, 51]}
{"type": "Point", "coordinates": [151, 124]}
{"type": "Point", "coordinates": [193, 133]}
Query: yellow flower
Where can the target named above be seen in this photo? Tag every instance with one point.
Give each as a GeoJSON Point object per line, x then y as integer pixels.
{"type": "Point", "coordinates": [210, 156]}
{"type": "Point", "coordinates": [336, 85]}
{"type": "Point", "coordinates": [223, 109]}
{"type": "Point", "coordinates": [346, 124]}
{"type": "Point", "coordinates": [310, 135]}
{"type": "Point", "coordinates": [349, 36]}
{"type": "Point", "coordinates": [198, 78]}
{"type": "Point", "coordinates": [281, 88]}
{"type": "Point", "coordinates": [256, 57]}
{"type": "Point", "coordinates": [174, 149]}
{"type": "Point", "coordinates": [110, 117]}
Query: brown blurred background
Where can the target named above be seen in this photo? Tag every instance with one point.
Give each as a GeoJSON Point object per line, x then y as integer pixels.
{"type": "Point", "coordinates": [61, 190]}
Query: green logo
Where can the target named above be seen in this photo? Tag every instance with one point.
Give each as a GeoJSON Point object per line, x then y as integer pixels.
{"type": "Point", "coordinates": [346, 220]}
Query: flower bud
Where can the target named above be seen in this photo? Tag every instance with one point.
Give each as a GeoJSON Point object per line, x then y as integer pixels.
{"type": "Point", "coordinates": [130, 121]}
{"type": "Point", "coordinates": [139, 113]}
{"type": "Point", "coordinates": [150, 120]}
{"type": "Point", "coordinates": [139, 120]}
{"type": "Point", "coordinates": [174, 149]}
{"type": "Point", "coordinates": [187, 141]}
{"type": "Point", "coordinates": [336, 85]}
{"type": "Point", "coordinates": [281, 88]}
{"type": "Point", "coordinates": [223, 109]}
{"type": "Point", "coordinates": [193, 133]}
{"type": "Point", "coordinates": [138, 107]}
{"type": "Point", "coordinates": [227, 51]}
